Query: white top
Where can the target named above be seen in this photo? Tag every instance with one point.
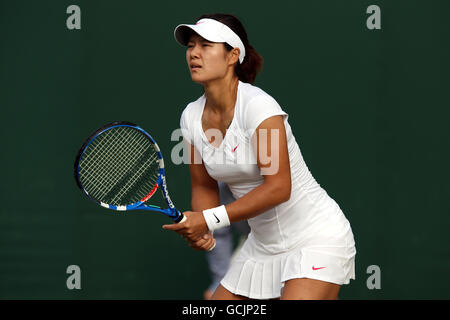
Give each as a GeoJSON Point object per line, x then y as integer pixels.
{"type": "Point", "coordinates": [294, 222]}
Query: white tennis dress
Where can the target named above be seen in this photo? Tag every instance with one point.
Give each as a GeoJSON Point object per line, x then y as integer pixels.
{"type": "Point", "coordinates": [307, 236]}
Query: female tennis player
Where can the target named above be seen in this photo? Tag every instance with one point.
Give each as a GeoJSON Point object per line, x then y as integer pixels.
{"type": "Point", "coordinates": [301, 245]}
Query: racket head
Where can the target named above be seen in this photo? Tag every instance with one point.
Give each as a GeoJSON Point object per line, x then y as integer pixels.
{"type": "Point", "coordinates": [119, 166]}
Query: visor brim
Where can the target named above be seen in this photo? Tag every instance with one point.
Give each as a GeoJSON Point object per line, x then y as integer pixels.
{"type": "Point", "coordinates": [184, 31]}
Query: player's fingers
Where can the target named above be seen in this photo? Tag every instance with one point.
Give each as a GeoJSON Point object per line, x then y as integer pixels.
{"type": "Point", "coordinates": [174, 226]}
{"type": "Point", "coordinates": [206, 245]}
{"type": "Point", "coordinates": [207, 236]}
{"type": "Point", "coordinates": [212, 242]}
{"type": "Point", "coordinates": [194, 240]}
{"type": "Point", "coordinates": [211, 247]}
{"type": "Point", "coordinates": [199, 244]}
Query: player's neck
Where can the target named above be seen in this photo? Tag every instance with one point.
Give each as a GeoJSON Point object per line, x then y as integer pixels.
{"type": "Point", "coordinates": [221, 94]}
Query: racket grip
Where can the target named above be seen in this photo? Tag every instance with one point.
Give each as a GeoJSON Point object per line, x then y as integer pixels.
{"type": "Point", "coordinates": [180, 218]}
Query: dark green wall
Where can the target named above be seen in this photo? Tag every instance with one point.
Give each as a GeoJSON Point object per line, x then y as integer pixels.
{"type": "Point", "coordinates": [369, 109]}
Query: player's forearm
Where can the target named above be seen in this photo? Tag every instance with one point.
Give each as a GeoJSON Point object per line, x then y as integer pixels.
{"type": "Point", "coordinates": [257, 201]}
{"type": "Point", "coordinates": [204, 198]}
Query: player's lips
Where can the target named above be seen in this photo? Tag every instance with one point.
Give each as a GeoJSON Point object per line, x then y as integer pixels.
{"type": "Point", "coordinates": [195, 66]}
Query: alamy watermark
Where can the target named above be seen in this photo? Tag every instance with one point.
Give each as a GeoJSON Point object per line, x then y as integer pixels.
{"type": "Point", "coordinates": [373, 22]}
{"type": "Point", "coordinates": [74, 280]}
{"type": "Point", "coordinates": [374, 280]}
{"type": "Point", "coordinates": [238, 147]}
{"type": "Point", "coordinates": [73, 21]}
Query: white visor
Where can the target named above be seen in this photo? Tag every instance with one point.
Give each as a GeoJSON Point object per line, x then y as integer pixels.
{"type": "Point", "coordinates": [212, 30]}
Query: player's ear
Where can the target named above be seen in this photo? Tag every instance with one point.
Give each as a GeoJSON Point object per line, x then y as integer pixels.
{"type": "Point", "coordinates": [233, 56]}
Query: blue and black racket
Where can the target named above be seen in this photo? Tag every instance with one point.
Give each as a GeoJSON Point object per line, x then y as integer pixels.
{"type": "Point", "coordinates": [120, 167]}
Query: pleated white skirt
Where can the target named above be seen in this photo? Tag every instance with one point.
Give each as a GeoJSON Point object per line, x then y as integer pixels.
{"type": "Point", "coordinates": [259, 275]}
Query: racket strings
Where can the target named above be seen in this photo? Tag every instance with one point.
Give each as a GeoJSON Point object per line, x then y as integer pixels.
{"type": "Point", "coordinates": [133, 181]}
{"type": "Point", "coordinates": [117, 170]}
{"type": "Point", "coordinates": [103, 173]}
{"type": "Point", "coordinates": [123, 157]}
{"type": "Point", "coordinates": [100, 174]}
{"type": "Point", "coordinates": [126, 152]}
{"type": "Point", "coordinates": [119, 167]}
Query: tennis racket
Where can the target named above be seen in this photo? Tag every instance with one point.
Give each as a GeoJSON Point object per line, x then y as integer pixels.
{"type": "Point", "coordinates": [120, 167]}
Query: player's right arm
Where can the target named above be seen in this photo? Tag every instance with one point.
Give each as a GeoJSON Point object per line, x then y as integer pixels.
{"type": "Point", "coordinates": [204, 195]}
{"type": "Point", "coordinates": [204, 189]}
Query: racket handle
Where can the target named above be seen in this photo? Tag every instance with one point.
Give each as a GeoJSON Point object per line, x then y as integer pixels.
{"type": "Point", "coordinates": [181, 218]}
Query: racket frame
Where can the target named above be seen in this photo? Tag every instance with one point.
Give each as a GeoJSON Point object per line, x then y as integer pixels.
{"type": "Point", "coordinates": [171, 212]}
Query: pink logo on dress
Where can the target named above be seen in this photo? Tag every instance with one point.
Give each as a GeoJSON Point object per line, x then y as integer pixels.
{"type": "Point", "coordinates": [318, 268]}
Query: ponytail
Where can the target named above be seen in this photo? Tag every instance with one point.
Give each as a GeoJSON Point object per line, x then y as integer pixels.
{"type": "Point", "coordinates": [250, 67]}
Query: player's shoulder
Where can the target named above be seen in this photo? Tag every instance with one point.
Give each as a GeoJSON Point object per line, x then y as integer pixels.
{"type": "Point", "coordinates": [193, 107]}
{"type": "Point", "coordinates": [251, 94]}
{"type": "Point", "coordinates": [255, 100]}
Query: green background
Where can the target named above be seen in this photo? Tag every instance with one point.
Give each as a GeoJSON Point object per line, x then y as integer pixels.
{"type": "Point", "coordinates": [369, 109]}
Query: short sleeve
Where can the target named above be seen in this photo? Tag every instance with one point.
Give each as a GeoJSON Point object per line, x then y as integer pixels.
{"type": "Point", "coordinates": [184, 125]}
{"type": "Point", "coordinates": [259, 109]}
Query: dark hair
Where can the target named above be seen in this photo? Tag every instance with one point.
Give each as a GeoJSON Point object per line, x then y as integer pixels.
{"type": "Point", "coordinates": [252, 63]}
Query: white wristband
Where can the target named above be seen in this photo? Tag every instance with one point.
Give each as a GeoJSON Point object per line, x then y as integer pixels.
{"type": "Point", "coordinates": [216, 218]}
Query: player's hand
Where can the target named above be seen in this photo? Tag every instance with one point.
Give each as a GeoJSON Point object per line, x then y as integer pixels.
{"type": "Point", "coordinates": [205, 243]}
{"type": "Point", "coordinates": [193, 228]}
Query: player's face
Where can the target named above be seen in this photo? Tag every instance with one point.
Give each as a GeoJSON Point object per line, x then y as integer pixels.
{"type": "Point", "coordinates": [206, 60]}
